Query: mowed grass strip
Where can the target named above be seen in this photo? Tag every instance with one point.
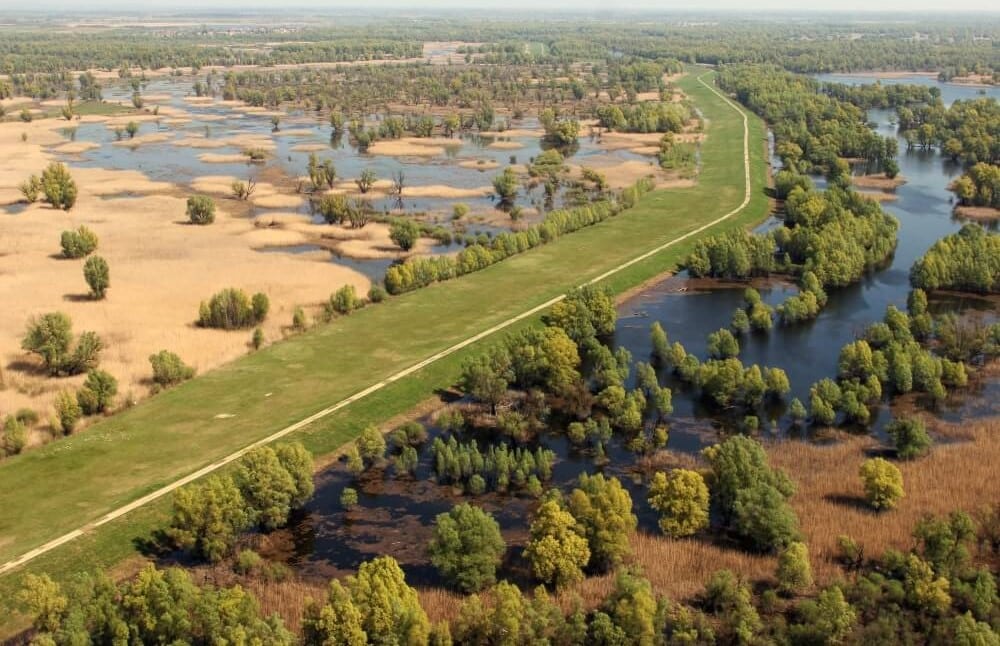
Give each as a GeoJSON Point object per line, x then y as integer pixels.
{"type": "Point", "coordinates": [52, 490]}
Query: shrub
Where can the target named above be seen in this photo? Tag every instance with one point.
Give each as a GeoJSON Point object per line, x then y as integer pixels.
{"type": "Point", "coordinates": [377, 294]}
{"type": "Point", "coordinates": [98, 276]}
{"type": "Point", "coordinates": [349, 498]}
{"type": "Point", "coordinates": [168, 369]}
{"type": "Point", "coordinates": [260, 305]}
{"type": "Point", "coordinates": [98, 392]}
{"type": "Point", "coordinates": [200, 209]}
{"type": "Point", "coordinates": [247, 561]}
{"type": "Point", "coordinates": [459, 211]}
{"type": "Point", "coordinates": [67, 411]}
{"type": "Point", "coordinates": [344, 301]}
{"type": "Point", "coordinates": [883, 483]}
{"type": "Point", "coordinates": [31, 188]}
{"type": "Point", "coordinates": [257, 338]}
{"type": "Point", "coordinates": [404, 233]}
{"type": "Point", "coordinates": [910, 438]}
{"type": "Point", "coordinates": [232, 309]}
{"type": "Point", "coordinates": [58, 186]}
{"type": "Point", "coordinates": [505, 185]}
{"type": "Point", "coordinates": [15, 436]}
{"type": "Point", "coordinates": [79, 243]}
{"type": "Point", "coordinates": [794, 573]}
{"type": "Point", "coordinates": [299, 320]}
{"type": "Point", "coordinates": [27, 416]}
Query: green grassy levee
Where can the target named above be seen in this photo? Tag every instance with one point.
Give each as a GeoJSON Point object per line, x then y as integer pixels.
{"type": "Point", "coordinates": [52, 490]}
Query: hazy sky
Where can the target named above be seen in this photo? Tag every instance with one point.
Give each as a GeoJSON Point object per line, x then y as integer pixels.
{"type": "Point", "coordinates": [575, 6]}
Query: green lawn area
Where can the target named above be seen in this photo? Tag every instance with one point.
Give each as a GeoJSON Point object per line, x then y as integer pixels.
{"type": "Point", "coordinates": [47, 492]}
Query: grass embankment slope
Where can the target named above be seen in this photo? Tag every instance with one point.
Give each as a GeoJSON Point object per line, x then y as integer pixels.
{"type": "Point", "coordinates": [53, 490]}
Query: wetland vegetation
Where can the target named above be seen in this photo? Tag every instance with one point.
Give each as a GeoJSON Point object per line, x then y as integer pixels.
{"type": "Point", "coordinates": [695, 418]}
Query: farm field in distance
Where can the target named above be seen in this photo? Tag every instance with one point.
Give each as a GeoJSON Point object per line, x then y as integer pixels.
{"type": "Point", "coordinates": [423, 331]}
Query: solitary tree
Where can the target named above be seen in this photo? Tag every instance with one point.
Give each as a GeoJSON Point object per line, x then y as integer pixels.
{"type": "Point", "coordinates": [883, 483]}
{"type": "Point", "coordinates": [467, 547]}
{"type": "Point", "coordinates": [682, 500]}
{"type": "Point", "coordinates": [98, 276]}
{"type": "Point", "coordinates": [910, 437]}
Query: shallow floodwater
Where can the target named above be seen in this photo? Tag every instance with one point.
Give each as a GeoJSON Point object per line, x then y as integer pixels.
{"type": "Point", "coordinates": [395, 515]}
{"type": "Point", "coordinates": [173, 161]}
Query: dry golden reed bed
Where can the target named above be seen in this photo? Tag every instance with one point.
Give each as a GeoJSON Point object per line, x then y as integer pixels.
{"type": "Point", "coordinates": [960, 473]}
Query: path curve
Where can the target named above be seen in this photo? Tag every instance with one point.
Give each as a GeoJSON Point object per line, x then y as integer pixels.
{"type": "Point", "coordinates": [162, 491]}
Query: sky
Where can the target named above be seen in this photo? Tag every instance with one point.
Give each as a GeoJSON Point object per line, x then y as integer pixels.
{"type": "Point", "coordinates": [575, 6]}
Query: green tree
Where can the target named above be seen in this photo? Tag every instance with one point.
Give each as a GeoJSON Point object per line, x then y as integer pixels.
{"type": "Point", "coordinates": [794, 572]}
{"type": "Point", "coordinates": [467, 547]}
{"type": "Point", "coordinates": [371, 445]}
{"type": "Point", "coordinates": [208, 517]}
{"type": "Point", "coordinates": [338, 622]}
{"type": "Point", "coordinates": [556, 549]}
{"type": "Point", "coordinates": [681, 497]}
{"type": "Point", "coordinates": [661, 345]}
{"type": "Point", "coordinates": [762, 517]}
{"type": "Point", "coordinates": [723, 345]}
{"type": "Point", "coordinates": [883, 483]}
{"type": "Point", "coordinates": [487, 377]}
{"type": "Point", "coordinates": [268, 488]}
{"type": "Point", "coordinates": [404, 233]}
{"type": "Point", "coordinates": [909, 437]}
{"type": "Point", "coordinates": [349, 498]}
{"type": "Point", "coordinates": [633, 608]}
{"type": "Point", "coordinates": [390, 610]}
{"type": "Point", "coordinates": [826, 620]}
{"type": "Point", "coordinates": [505, 186]}
{"type": "Point", "coordinates": [732, 601]}
{"type": "Point", "coordinates": [58, 186]}
{"type": "Point", "coordinates": [603, 508]}
{"type": "Point", "coordinates": [97, 275]}
{"type": "Point", "coordinates": [97, 393]}
{"type": "Point", "coordinates": [50, 337]}
{"type": "Point", "coordinates": [44, 601]}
